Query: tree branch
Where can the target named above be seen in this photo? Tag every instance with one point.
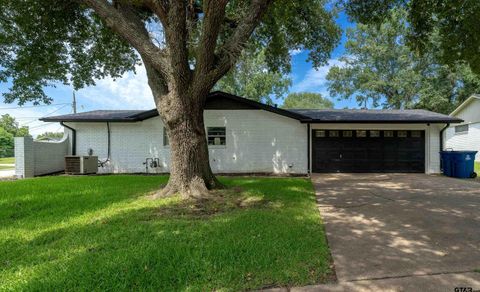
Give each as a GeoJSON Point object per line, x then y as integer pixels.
{"type": "Point", "coordinates": [159, 8]}
{"type": "Point", "coordinates": [127, 25]}
{"type": "Point", "coordinates": [231, 50]}
{"type": "Point", "coordinates": [176, 35]}
{"type": "Point", "coordinates": [214, 11]}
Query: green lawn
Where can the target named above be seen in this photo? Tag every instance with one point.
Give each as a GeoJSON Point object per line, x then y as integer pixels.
{"type": "Point", "coordinates": [3, 167]}
{"type": "Point", "coordinates": [477, 167]}
{"type": "Point", "coordinates": [7, 160]}
{"type": "Point", "coordinates": [103, 233]}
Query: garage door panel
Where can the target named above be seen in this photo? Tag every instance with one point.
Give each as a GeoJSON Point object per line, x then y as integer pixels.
{"type": "Point", "coordinates": [361, 153]}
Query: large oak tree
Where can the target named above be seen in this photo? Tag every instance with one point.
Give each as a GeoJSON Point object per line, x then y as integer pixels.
{"type": "Point", "coordinates": [455, 21]}
{"type": "Point", "coordinates": [381, 69]}
{"type": "Point", "coordinates": [306, 100]}
{"type": "Point", "coordinates": [251, 78]}
{"type": "Point", "coordinates": [186, 46]}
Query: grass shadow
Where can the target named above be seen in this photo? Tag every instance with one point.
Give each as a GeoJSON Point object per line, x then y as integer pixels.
{"type": "Point", "coordinates": [133, 243]}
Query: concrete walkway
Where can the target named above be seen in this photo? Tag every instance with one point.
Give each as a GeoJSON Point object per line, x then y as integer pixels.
{"type": "Point", "coordinates": [400, 232]}
{"type": "Point", "coordinates": [7, 173]}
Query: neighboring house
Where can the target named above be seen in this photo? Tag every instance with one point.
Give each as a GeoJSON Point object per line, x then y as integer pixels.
{"type": "Point", "coordinates": [245, 136]}
{"type": "Point", "coordinates": [465, 136]}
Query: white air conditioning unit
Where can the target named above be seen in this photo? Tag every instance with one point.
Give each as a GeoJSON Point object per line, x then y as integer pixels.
{"type": "Point", "coordinates": [81, 164]}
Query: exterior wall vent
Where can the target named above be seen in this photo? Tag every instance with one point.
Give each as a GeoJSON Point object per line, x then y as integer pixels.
{"type": "Point", "coordinates": [81, 164]}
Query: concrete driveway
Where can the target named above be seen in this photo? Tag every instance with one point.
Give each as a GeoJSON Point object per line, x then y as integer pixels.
{"type": "Point", "coordinates": [401, 228]}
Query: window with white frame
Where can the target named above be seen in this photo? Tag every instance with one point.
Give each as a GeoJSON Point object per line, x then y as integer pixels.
{"type": "Point", "coordinates": [388, 134]}
{"type": "Point", "coordinates": [361, 133]}
{"type": "Point", "coordinates": [320, 133]}
{"type": "Point", "coordinates": [416, 134]}
{"type": "Point", "coordinates": [217, 136]}
{"type": "Point", "coordinates": [462, 129]}
{"type": "Point", "coordinates": [334, 133]}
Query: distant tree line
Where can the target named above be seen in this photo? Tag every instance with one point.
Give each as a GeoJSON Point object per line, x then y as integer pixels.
{"type": "Point", "coordinates": [9, 129]}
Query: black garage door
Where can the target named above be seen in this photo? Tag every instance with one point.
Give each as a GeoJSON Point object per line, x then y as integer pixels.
{"type": "Point", "coordinates": [368, 151]}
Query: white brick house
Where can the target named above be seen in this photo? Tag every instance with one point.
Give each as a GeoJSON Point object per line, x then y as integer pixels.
{"type": "Point", "coordinates": [245, 136]}
{"type": "Point", "coordinates": [465, 136]}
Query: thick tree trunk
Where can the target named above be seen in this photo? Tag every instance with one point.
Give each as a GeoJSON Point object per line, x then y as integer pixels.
{"type": "Point", "coordinates": [190, 172]}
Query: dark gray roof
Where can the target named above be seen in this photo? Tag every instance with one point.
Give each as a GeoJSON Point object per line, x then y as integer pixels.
{"type": "Point", "coordinates": [374, 116]}
{"type": "Point", "coordinates": [303, 115]}
{"type": "Point", "coordinates": [236, 102]}
{"type": "Point", "coordinates": [99, 115]}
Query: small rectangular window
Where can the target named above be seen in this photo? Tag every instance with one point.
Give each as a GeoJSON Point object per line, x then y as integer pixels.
{"type": "Point", "coordinates": [216, 136]}
{"type": "Point", "coordinates": [402, 134]}
{"type": "Point", "coordinates": [416, 134]}
{"type": "Point", "coordinates": [347, 134]}
{"type": "Point", "coordinates": [320, 133]}
{"type": "Point", "coordinates": [361, 133]}
{"type": "Point", "coordinates": [165, 137]}
{"type": "Point", "coordinates": [388, 134]}
{"type": "Point", "coordinates": [463, 129]}
{"type": "Point", "coordinates": [374, 134]}
{"type": "Point", "coordinates": [333, 134]}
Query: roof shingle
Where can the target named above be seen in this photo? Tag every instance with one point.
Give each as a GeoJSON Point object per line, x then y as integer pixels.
{"type": "Point", "coordinates": [303, 115]}
{"type": "Point", "coordinates": [374, 116]}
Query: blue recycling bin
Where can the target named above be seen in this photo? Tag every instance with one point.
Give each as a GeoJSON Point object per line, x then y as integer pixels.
{"type": "Point", "coordinates": [446, 162]}
{"type": "Point", "coordinates": [459, 164]}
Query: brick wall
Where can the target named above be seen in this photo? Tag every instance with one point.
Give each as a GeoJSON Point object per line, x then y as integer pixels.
{"type": "Point", "coordinates": [256, 141]}
{"type": "Point", "coordinates": [34, 158]}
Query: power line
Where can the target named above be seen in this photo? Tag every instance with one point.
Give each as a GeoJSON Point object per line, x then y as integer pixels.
{"type": "Point", "coordinates": [34, 120]}
{"type": "Point", "coordinates": [32, 106]}
{"type": "Point", "coordinates": [55, 110]}
{"type": "Point", "coordinates": [40, 126]}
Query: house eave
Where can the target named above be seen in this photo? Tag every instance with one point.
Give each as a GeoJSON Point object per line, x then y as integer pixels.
{"type": "Point", "coordinates": [382, 121]}
{"type": "Point", "coordinates": [90, 120]}
{"type": "Point", "coordinates": [464, 104]}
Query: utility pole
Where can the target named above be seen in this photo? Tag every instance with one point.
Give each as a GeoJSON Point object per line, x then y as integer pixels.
{"type": "Point", "coordinates": [74, 103]}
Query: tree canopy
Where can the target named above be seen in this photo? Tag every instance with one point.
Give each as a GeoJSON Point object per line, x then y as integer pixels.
{"type": "Point", "coordinates": [50, 136]}
{"type": "Point", "coordinates": [186, 46]}
{"type": "Point", "coordinates": [43, 43]}
{"type": "Point", "coordinates": [9, 129]}
{"type": "Point", "coordinates": [380, 69]}
{"type": "Point", "coordinates": [251, 78]}
{"type": "Point", "coordinates": [9, 124]}
{"type": "Point", "coordinates": [455, 22]}
{"type": "Point", "coordinates": [6, 143]}
{"type": "Point", "coordinates": [306, 100]}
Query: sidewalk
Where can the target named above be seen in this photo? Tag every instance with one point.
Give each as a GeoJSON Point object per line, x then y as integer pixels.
{"type": "Point", "coordinates": [440, 282]}
{"type": "Point", "coordinates": [8, 173]}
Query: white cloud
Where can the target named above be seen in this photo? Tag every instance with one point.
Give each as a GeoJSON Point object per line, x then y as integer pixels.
{"type": "Point", "coordinates": [129, 92]}
{"type": "Point", "coordinates": [295, 52]}
{"type": "Point", "coordinates": [316, 79]}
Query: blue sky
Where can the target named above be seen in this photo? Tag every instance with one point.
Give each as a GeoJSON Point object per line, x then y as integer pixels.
{"type": "Point", "coordinates": [132, 91]}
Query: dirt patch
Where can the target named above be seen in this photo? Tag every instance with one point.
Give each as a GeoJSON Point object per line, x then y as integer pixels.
{"type": "Point", "coordinates": [218, 202]}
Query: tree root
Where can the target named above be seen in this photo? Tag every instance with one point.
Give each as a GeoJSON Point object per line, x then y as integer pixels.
{"type": "Point", "coordinates": [195, 189]}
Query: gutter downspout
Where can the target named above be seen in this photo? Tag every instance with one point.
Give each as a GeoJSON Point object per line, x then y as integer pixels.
{"type": "Point", "coordinates": [441, 143]}
{"type": "Point", "coordinates": [308, 148]}
{"type": "Point", "coordinates": [74, 138]}
{"type": "Point", "coordinates": [102, 163]}
{"type": "Point", "coordinates": [441, 135]}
